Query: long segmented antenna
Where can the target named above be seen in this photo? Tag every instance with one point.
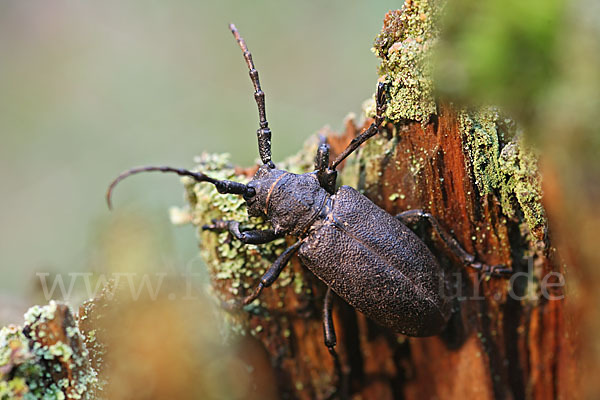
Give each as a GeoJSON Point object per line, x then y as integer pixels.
{"type": "Point", "coordinates": [369, 132]}
{"type": "Point", "coordinates": [263, 133]}
{"type": "Point", "coordinates": [222, 186]}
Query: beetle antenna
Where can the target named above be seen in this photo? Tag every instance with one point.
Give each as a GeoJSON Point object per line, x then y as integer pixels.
{"type": "Point", "coordinates": [222, 186]}
{"type": "Point", "coordinates": [263, 133]}
{"type": "Point", "coordinates": [367, 133]}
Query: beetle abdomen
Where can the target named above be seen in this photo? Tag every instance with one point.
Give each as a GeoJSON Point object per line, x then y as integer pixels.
{"type": "Point", "coordinates": [377, 265]}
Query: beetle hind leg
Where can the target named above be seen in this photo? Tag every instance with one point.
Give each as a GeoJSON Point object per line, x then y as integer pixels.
{"type": "Point", "coordinates": [331, 341]}
{"type": "Point", "coordinates": [413, 216]}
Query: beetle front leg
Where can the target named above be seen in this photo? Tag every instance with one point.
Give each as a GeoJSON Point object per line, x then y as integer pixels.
{"type": "Point", "coordinates": [247, 237]}
{"type": "Point", "coordinates": [412, 216]}
{"type": "Point", "coordinates": [273, 272]}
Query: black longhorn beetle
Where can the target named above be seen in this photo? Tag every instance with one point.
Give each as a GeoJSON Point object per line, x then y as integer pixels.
{"type": "Point", "coordinates": [366, 256]}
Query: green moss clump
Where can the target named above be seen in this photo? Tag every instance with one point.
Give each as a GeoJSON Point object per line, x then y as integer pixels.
{"type": "Point", "coordinates": [234, 267]}
{"type": "Point", "coordinates": [404, 46]}
{"type": "Point", "coordinates": [504, 166]}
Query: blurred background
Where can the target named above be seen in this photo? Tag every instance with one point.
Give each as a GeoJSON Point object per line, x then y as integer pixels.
{"type": "Point", "coordinates": [92, 88]}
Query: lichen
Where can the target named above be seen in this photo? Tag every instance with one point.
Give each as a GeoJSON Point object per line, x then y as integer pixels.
{"type": "Point", "coordinates": [45, 359]}
{"type": "Point", "coordinates": [503, 165]}
{"type": "Point", "coordinates": [483, 145]}
{"type": "Point", "coordinates": [235, 268]}
{"type": "Point", "coordinates": [521, 185]}
{"type": "Point", "coordinates": [405, 45]}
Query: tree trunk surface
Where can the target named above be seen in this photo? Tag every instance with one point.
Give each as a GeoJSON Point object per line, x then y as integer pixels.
{"type": "Point", "coordinates": [508, 338]}
{"type": "Point", "coordinates": [505, 340]}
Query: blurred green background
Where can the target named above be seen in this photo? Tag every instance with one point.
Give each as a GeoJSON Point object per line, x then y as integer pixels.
{"type": "Point", "coordinates": [89, 89]}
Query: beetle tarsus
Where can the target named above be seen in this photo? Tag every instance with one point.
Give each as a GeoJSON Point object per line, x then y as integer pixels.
{"type": "Point", "coordinates": [249, 299]}
{"type": "Point", "coordinates": [493, 271]}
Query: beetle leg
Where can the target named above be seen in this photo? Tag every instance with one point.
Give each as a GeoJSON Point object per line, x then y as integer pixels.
{"type": "Point", "coordinates": [273, 272]}
{"type": "Point", "coordinates": [325, 176]}
{"type": "Point", "coordinates": [248, 237]}
{"type": "Point", "coordinates": [369, 132]}
{"type": "Point", "coordinates": [412, 216]}
{"type": "Point", "coordinates": [498, 270]}
{"type": "Point", "coordinates": [330, 337]}
{"type": "Point", "coordinates": [329, 329]}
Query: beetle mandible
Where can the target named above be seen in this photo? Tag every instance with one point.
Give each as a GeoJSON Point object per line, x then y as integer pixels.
{"type": "Point", "coordinates": [366, 256]}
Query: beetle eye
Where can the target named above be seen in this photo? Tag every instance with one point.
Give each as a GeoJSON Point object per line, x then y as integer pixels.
{"type": "Point", "coordinates": [249, 193]}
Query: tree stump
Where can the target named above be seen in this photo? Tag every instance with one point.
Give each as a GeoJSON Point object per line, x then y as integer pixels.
{"type": "Point", "coordinates": [507, 338]}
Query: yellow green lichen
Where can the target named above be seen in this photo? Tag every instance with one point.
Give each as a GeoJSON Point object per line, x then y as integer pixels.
{"type": "Point", "coordinates": [235, 268]}
{"type": "Point", "coordinates": [404, 46]}
{"type": "Point", "coordinates": [521, 185]}
{"type": "Point", "coordinates": [34, 362]}
{"type": "Point", "coordinates": [502, 165]}
{"type": "Point", "coordinates": [482, 143]}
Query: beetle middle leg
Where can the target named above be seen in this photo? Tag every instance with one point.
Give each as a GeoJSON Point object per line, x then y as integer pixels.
{"type": "Point", "coordinates": [273, 272]}
{"type": "Point", "coordinates": [412, 216]}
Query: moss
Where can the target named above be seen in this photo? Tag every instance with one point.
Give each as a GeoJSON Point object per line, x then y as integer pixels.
{"type": "Point", "coordinates": [404, 46]}
{"type": "Point", "coordinates": [235, 268]}
{"type": "Point", "coordinates": [503, 52]}
{"type": "Point", "coordinates": [502, 165]}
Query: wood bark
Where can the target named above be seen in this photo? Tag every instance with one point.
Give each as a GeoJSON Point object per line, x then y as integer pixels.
{"type": "Point", "coordinates": [497, 345]}
{"type": "Point", "coordinates": [508, 338]}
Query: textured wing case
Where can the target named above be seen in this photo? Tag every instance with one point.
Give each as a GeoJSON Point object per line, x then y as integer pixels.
{"type": "Point", "coordinates": [377, 265]}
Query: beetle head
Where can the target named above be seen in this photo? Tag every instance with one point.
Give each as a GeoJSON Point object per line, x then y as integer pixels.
{"type": "Point", "coordinates": [289, 201]}
{"type": "Point", "coordinates": [262, 184]}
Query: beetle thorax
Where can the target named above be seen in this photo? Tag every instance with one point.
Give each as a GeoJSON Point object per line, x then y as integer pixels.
{"type": "Point", "coordinates": [289, 201]}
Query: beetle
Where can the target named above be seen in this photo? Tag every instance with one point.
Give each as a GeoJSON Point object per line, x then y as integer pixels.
{"type": "Point", "coordinates": [364, 255]}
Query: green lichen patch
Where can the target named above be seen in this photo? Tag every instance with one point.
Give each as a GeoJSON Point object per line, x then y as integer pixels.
{"type": "Point", "coordinates": [404, 46]}
{"type": "Point", "coordinates": [503, 165]}
{"type": "Point", "coordinates": [482, 143]}
{"type": "Point", "coordinates": [46, 359]}
{"type": "Point", "coordinates": [235, 268]}
{"type": "Point", "coordinates": [520, 186]}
